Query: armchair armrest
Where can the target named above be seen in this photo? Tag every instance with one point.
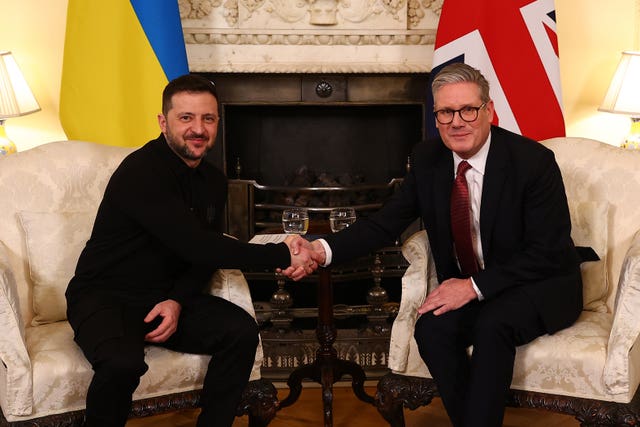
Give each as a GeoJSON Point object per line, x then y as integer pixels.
{"type": "Point", "coordinates": [16, 383]}
{"type": "Point", "coordinates": [232, 286]}
{"type": "Point", "coordinates": [618, 367]}
{"type": "Point", "coordinates": [419, 279]}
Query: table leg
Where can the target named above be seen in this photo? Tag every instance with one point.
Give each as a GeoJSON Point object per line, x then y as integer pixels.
{"type": "Point", "coordinates": [327, 368]}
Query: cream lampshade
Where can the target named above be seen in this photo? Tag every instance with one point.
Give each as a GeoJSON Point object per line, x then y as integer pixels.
{"type": "Point", "coordinates": [16, 98]}
{"type": "Point", "coordinates": [623, 96]}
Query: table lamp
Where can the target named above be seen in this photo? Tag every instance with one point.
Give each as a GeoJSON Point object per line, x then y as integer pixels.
{"type": "Point", "coordinates": [16, 99]}
{"type": "Point", "coordinates": [623, 96]}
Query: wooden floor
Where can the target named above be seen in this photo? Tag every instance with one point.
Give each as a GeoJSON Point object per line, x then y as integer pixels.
{"type": "Point", "coordinates": [348, 411]}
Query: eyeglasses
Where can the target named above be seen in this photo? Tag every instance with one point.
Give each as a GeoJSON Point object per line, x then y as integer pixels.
{"type": "Point", "coordinates": [468, 114]}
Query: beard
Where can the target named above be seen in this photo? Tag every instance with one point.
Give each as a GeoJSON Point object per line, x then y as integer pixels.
{"type": "Point", "coordinates": [182, 149]}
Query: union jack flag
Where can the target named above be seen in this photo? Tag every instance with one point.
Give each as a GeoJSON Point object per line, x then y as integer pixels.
{"type": "Point", "coordinates": [515, 46]}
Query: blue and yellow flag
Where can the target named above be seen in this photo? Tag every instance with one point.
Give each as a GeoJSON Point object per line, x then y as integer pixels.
{"type": "Point", "coordinates": [118, 57]}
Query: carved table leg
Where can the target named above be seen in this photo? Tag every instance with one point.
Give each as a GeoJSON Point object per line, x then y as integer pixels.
{"type": "Point", "coordinates": [295, 383]}
{"type": "Point", "coordinates": [327, 379]}
{"type": "Point", "coordinates": [326, 368]}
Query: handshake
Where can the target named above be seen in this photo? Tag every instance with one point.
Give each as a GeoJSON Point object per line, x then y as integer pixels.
{"type": "Point", "coordinates": [305, 257]}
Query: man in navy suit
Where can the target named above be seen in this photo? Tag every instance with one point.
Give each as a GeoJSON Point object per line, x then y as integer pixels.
{"type": "Point", "coordinates": [525, 276]}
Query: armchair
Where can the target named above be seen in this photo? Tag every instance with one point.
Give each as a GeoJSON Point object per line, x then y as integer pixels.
{"type": "Point", "coordinates": [49, 196]}
{"type": "Point", "coordinates": [590, 370]}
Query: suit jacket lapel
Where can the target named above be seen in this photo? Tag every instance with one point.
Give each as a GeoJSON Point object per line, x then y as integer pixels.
{"type": "Point", "coordinates": [495, 176]}
{"type": "Point", "coordinates": [442, 182]}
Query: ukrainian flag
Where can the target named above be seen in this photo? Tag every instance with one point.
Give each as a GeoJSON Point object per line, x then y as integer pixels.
{"type": "Point", "coordinates": [118, 57]}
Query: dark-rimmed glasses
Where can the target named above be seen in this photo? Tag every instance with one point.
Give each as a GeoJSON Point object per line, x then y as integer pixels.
{"type": "Point", "coordinates": [468, 114]}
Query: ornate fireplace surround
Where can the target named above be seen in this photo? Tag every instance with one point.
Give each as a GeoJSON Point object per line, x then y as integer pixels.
{"type": "Point", "coordinates": [310, 36]}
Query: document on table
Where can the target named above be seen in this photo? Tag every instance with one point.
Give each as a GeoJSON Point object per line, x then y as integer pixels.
{"type": "Point", "coordinates": [261, 239]}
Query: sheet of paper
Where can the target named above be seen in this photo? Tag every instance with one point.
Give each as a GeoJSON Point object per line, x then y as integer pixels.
{"type": "Point", "coordinates": [262, 239]}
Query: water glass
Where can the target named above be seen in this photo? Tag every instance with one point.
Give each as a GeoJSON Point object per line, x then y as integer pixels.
{"type": "Point", "coordinates": [341, 218]}
{"type": "Point", "coordinates": [295, 221]}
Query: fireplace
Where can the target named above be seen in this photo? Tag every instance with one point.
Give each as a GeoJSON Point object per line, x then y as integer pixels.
{"type": "Point", "coordinates": [354, 130]}
{"type": "Point", "coordinates": [316, 141]}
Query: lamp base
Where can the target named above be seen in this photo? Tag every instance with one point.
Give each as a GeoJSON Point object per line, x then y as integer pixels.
{"type": "Point", "coordinates": [632, 140]}
{"type": "Point", "coordinates": [6, 145]}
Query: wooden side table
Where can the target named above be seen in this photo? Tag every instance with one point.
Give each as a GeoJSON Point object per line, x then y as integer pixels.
{"type": "Point", "coordinates": [327, 368]}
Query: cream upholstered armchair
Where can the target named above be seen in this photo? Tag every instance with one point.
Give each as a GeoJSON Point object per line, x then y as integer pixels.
{"type": "Point", "coordinates": [590, 370]}
{"type": "Point", "coordinates": [49, 196]}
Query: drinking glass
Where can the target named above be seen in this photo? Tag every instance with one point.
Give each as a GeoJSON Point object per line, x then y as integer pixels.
{"type": "Point", "coordinates": [295, 221]}
{"type": "Point", "coordinates": [341, 218]}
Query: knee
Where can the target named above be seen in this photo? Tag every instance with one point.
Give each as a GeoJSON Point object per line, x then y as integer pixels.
{"type": "Point", "coordinates": [445, 334]}
{"type": "Point", "coordinates": [121, 367]}
{"type": "Point", "coordinates": [491, 330]}
{"type": "Point", "coordinates": [427, 332]}
{"type": "Point", "coordinates": [247, 332]}
{"type": "Point", "coordinates": [240, 334]}
{"type": "Point", "coordinates": [430, 327]}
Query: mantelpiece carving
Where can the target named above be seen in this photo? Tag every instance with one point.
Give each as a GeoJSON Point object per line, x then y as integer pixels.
{"type": "Point", "coordinates": [310, 36]}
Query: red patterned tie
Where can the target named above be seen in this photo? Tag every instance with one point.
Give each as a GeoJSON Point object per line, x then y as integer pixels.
{"type": "Point", "coordinates": [461, 222]}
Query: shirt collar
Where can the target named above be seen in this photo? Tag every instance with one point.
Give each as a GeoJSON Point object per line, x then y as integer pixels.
{"type": "Point", "coordinates": [478, 161]}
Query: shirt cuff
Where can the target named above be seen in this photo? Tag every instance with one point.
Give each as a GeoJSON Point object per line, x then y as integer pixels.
{"type": "Point", "coordinates": [328, 255]}
{"type": "Point", "coordinates": [477, 289]}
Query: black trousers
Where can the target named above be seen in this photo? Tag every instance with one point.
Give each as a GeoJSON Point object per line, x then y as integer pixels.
{"type": "Point", "coordinates": [207, 325]}
{"type": "Point", "coordinates": [474, 389]}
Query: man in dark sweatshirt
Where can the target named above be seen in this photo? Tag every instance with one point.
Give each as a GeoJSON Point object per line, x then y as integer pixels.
{"type": "Point", "coordinates": [155, 244]}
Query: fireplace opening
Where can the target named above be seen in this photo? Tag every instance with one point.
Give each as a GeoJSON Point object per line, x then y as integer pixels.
{"type": "Point", "coordinates": [316, 156]}
{"type": "Point", "coordinates": [368, 143]}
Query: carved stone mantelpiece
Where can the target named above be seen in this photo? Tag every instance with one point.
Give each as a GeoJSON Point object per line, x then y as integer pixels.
{"type": "Point", "coordinates": [310, 36]}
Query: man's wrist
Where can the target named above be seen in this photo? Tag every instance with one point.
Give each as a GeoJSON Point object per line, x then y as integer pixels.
{"type": "Point", "coordinates": [476, 289]}
{"type": "Point", "coordinates": [328, 255]}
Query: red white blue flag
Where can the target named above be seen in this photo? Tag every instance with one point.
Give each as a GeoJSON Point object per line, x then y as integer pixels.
{"type": "Point", "coordinates": [515, 46]}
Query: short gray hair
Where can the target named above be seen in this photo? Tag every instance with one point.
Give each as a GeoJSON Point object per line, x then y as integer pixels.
{"type": "Point", "coordinates": [459, 72]}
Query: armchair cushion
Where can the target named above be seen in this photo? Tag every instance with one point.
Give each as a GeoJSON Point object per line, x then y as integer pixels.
{"type": "Point", "coordinates": [63, 374]}
{"type": "Point", "coordinates": [54, 241]}
{"type": "Point", "coordinates": [568, 362]}
{"type": "Point", "coordinates": [590, 227]}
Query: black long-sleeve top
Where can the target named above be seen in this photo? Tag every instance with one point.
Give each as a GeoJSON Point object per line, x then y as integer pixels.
{"type": "Point", "coordinates": [157, 233]}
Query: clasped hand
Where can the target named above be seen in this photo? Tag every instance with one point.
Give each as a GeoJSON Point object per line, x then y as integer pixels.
{"type": "Point", "coordinates": [305, 257]}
